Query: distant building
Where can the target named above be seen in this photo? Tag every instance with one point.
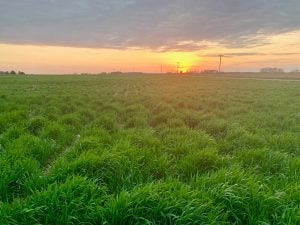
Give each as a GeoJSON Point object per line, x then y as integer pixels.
{"type": "Point", "coordinates": [295, 71]}
{"type": "Point", "coordinates": [271, 70]}
{"type": "Point", "coordinates": [191, 72]}
{"type": "Point", "coordinates": [116, 73]}
{"type": "Point", "coordinates": [134, 72]}
{"type": "Point", "coordinates": [210, 71]}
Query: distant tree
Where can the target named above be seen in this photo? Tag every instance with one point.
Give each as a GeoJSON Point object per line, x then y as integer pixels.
{"type": "Point", "coordinates": [12, 72]}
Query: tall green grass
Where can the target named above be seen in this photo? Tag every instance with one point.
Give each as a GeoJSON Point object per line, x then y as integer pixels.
{"type": "Point", "coordinates": [148, 150]}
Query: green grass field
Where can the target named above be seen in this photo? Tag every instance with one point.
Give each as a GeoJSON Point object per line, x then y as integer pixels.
{"type": "Point", "coordinates": [138, 149]}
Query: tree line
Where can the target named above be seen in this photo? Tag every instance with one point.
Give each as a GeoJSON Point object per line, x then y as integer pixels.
{"type": "Point", "coordinates": [12, 72]}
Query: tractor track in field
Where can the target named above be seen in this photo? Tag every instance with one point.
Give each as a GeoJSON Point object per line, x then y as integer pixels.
{"type": "Point", "coordinates": [65, 151]}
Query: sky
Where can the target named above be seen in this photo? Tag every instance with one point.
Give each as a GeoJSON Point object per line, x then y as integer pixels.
{"type": "Point", "coordinates": [76, 36]}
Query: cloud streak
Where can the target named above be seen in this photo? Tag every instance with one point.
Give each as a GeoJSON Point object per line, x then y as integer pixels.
{"type": "Point", "coordinates": [169, 25]}
{"type": "Point", "coordinates": [241, 54]}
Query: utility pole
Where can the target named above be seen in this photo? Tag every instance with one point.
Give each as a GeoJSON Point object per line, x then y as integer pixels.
{"type": "Point", "coordinates": [178, 66]}
{"type": "Point", "coordinates": [220, 63]}
{"type": "Point", "coordinates": [161, 68]}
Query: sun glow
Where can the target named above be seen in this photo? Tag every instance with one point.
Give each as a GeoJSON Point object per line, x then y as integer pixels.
{"type": "Point", "coordinates": [183, 62]}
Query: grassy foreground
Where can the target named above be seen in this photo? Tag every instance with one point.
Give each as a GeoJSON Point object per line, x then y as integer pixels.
{"type": "Point", "coordinates": [149, 150]}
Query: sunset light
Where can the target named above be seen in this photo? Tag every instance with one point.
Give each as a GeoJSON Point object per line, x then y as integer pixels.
{"type": "Point", "coordinates": [62, 59]}
{"type": "Point", "coordinates": [127, 36]}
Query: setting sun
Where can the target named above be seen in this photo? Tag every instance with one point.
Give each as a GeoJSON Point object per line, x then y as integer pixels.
{"type": "Point", "coordinates": [184, 62]}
